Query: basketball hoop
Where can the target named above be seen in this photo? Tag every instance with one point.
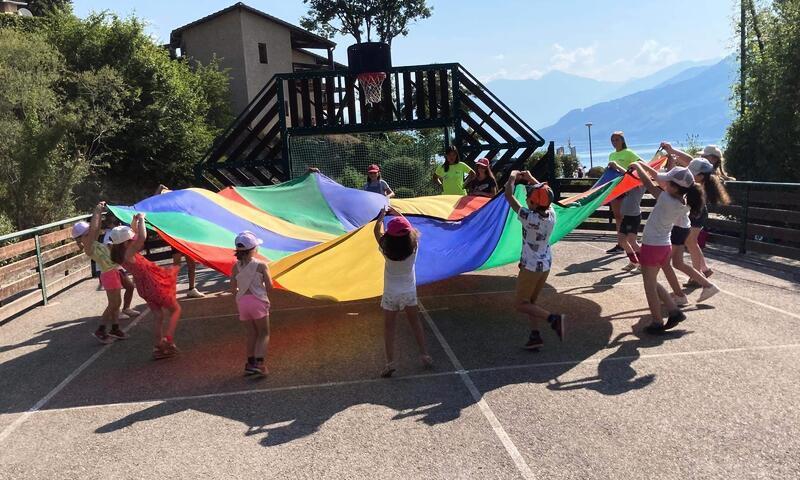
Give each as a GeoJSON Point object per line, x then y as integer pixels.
{"type": "Point", "coordinates": [371, 83]}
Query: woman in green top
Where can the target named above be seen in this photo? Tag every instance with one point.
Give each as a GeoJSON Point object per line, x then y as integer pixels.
{"type": "Point", "coordinates": [450, 175]}
{"type": "Point", "coordinates": [624, 157]}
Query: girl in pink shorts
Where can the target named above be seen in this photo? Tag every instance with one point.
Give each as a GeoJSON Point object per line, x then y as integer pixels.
{"type": "Point", "coordinates": [250, 281]}
{"type": "Point", "coordinates": [676, 195]}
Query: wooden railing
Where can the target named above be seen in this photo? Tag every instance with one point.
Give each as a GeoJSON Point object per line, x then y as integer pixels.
{"type": "Point", "coordinates": [37, 263]}
{"type": "Point", "coordinates": [763, 217]}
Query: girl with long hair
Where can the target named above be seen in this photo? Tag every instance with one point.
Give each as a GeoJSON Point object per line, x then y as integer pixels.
{"type": "Point", "coordinates": [450, 175]}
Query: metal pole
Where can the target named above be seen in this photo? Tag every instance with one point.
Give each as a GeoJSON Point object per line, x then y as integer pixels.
{"type": "Point", "coordinates": [40, 267]}
{"type": "Point", "coordinates": [591, 160]}
{"type": "Point", "coordinates": [742, 56]}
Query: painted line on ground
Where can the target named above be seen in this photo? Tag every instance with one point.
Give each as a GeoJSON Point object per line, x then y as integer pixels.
{"type": "Point", "coordinates": [43, 401]}
{"type": "Point", "coordinates": [345, 383]}
{"type": "Point", "coordinates": [512, 450]}
{"type": "Point", "coordinates": [763, 305]}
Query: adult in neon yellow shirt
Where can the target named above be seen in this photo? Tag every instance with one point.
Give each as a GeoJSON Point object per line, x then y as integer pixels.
{"type": "Point", "coordinates": [451, 175]}
{"type": "Point", "coordinates": [624, 157]}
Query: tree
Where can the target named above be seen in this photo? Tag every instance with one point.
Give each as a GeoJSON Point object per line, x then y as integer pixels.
{"type": "Point", "coordinates": [386, 18]}
{"type": "Point", "coordinates": [763, 142]}
{"type": "Point", "coordinates": [47, 7]}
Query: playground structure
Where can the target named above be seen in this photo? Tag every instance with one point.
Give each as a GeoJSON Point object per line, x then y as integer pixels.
{"type": "Point", "coordinates": [256, 149]}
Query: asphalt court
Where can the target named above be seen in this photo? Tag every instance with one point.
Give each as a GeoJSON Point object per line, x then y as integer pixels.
{"type": "Point", "coordinates": [714, 399]}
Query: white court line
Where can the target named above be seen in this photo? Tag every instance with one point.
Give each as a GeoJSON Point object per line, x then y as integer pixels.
{"type": "Point", "coordinates": [512, 450]}
{"type": "Point", "coordinates": [311, 386]}
{"type": "Point", "coordinates": [43, 401]}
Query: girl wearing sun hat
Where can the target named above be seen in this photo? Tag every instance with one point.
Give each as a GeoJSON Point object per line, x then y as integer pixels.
{"type": "Point", "coordinates": [250, 281]}
{"type": "Point", "coordinates": [375, 183]}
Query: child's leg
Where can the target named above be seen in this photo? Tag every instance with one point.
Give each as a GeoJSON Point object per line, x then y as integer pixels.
{"type": "Point", "coordinates": [111, 313]}
{"type": "Point", "coordinates": [252, 335]}
{"type": "Point", "coordinates": [633, 242]}
{"type": "Point", "coordinates": [128, 285]}
{"type": "Point", "coordinates": [412, 313]}
{"type": "Point", "coordinates": [677, 262]}
{"type": "Point", "coordinates": [651, 291]}
{"type": "Point", "coordinates": [389, 322]}
{"type": "Point", "coordinates": [672, 280]}
{"type": "Point", "coordinates": [262, 337]}
{"type": "Point", "coordinates": [191, 267]}
{"type": "Point", "coordinates": [698, 259]}
{"type": "Point", "coordinates": [174, 313]}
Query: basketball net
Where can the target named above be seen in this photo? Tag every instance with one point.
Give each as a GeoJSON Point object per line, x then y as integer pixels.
{"type": "Point", "coordinates": [371, 83]}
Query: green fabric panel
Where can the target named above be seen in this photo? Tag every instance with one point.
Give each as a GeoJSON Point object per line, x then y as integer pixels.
{"type": "Point", "coordinates": [568, 218]}
{"type": "Point", "coordinates": [298, 201]}
{"type": "Point", "coordinates": [193, 230]}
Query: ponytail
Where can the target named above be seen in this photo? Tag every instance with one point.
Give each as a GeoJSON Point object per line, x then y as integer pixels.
{"type": "Point", "coordinates": [716, 193]}
{"type": "Point", "coordinates": [117, 252]}
{"type": "Point", "coordinates": [696, 199]}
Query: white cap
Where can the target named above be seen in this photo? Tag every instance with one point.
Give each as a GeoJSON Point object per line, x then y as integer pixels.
{"type": "Point", "coordinates": [80, 229]}
{"type": "Point", "coordinates": [247, 240]}
{"type": "Point", "coordinates": [680, 175]}
{"type": "Point", "coordinates": [700, 165]}
{"type": "Point", "coordinates": [121, 234]}
{"type": "Point", "coordinates": [711, 150]}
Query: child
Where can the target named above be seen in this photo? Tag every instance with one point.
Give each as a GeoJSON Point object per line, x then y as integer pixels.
{"type": "Point", "coordinates": [631, 211]}
{"type": "Point", "coordinates": [679, 196]}
{"type": "Point", "coordinates": [375, 183]}
{"type": "Point", "coordinates": [85, 235]}
{"type": "Point", "coordinates": [109, 222]}
{"type": "Point", "coordinates": [484, 184]}
{"type": "Point", "coordinates": [399, 247]}
{"type": "Point", "coordinates": [716, 194]}
{"type": "Point", "coordinates": [450, 175]}
{"type": "Point", "coordinates": [156, 285]}
{"type": "Point", "coordinates": [538, 220]}
{"type": "Point", "coordinates": [250, 281]}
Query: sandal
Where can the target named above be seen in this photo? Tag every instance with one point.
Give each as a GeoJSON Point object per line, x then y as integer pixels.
{"type": "Point", "coordinates": [708, 272]}
{"type": "Point", "coordinates": [426, 360]}
{"type": "Point", "coordinates": [388, 371]}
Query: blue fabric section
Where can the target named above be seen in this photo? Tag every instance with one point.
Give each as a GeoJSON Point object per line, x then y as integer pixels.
{"type": "Point", "coordinates": [194, 204]}
{"type": "Point", "coordinates": [352, 207]}
{"type": "Point", "coordinates": [606, 177]}
{"type": "Point", "coordinates": [448, 248]}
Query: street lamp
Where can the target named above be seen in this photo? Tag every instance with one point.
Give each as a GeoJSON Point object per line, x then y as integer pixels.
{"type": "Point", "coordinates": [591, 162]}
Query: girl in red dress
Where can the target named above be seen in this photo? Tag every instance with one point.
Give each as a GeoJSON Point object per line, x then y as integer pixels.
{"type": "Point", "coordinates": [155, 284]}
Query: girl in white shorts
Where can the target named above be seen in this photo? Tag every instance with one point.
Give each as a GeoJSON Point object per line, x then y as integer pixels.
{"type": "Point", "coordinates": [399, 247]}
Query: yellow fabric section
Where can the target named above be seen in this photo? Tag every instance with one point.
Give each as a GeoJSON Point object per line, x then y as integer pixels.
{"type": "Point", "coordinates": [347, 268]}
{"type": "Point", "coordinates": [439, 206]}
{"type": "Point", "coordinates": [265, 220]}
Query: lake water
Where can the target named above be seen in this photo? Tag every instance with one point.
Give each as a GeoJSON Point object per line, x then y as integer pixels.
{"type": "Point", "coordinates": [645, 150]}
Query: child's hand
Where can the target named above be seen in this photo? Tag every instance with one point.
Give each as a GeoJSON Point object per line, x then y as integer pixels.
{"type": "Point", "coordinates": [140, 216]}
{"type": "Point", "coordinates": [665, 146]}
{"type": "Point", "coordinates": [391, 211]}
{"type": "Point", "coordinates": [100, 207]}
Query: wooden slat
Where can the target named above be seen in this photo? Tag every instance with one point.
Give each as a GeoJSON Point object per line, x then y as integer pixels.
{"type": "Point", "coordinates": [386, 99]}
{"type": "Point", "coordinates": [433, 111]}
{"type": "Point", "coordinates": [775, 233]}
{"type": "Point", "coordinates": [59, 269]}
{"type": "Point", "coordinates": [330, 92]}
{"type": "Point", "coordinates": [10, 272]}
{"type": "Point", "coordinates": [24, 283]}
{"type": "Point", "coordinates": [10, 309]}
{"type": "Point", "coordinates": [53, 237]}
{"type": "Point", "coordinates": [16, 249]}
{"type": "Point", "coordinates": [271, 115]}
{"type": "Point", "coordinates": [419, 83]}
{"type": "Point", "coordinates": [291, 89]}
{"type": "Point", "coordinates": [58, 252]}
{"type": "Point", "coordinates": [484, 134]}
{"type": "Point", "coordinates": [350, 89]}
{"type": "Point", "coordinates": [317, 96]}
{"type": "Point", "coordinates": [477, 110]}
{"type": "Point", "coordinates": [305, 103]}
{"type": "Point", "coordinates": [510, 121]}
{"type": "Point", "coordinates": [725, 240]}
{"type": "Point", "coordinates": [75, 276]}
{"type": "Point", "coordinates": [773, 249]}
{"type": "Point", "coordinates": [408, 97]}
{"type": "Point", "coordinates": [444, 94]}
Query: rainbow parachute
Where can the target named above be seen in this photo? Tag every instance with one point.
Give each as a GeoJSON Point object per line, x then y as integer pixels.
{"type": "Point", "coordinates": [318, 235]}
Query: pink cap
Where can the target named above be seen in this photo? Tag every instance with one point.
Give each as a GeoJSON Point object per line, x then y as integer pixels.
{"type": "Point", "coordinates": [373, 169]}
{"type": "Point", "coordinates": [398, 227]}
{"type": "Point", "coordinates": [483, 162]}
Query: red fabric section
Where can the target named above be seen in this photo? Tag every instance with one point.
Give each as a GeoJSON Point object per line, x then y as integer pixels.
{"type": "Point", "coordinates": [231, 194]}
{"type": "Point", "coordinates": [631, 181]}
{"type": "Point", "coordinates": [467, 205]}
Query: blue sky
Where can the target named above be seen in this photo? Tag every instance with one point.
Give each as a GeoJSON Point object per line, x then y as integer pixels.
{"type": "Point", "coordinates": [609, 40]}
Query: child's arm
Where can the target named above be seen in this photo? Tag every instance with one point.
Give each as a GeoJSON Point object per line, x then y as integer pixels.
{"type": "Point", "coordinates": [234, 284]}
{"type": "Point", "coordinates": [509, 192]}
{"type": "Point", "coordinates": [141, 235]}
{"type": "Point", "coordinates": [645, 171]}
{"type": "Point", "coordinates": [681, 157]}
{"type": "Point", "coordinates": [378, 231]}
{"type": "Point", "coordinates": [267, 278]}
{"type": "Point", "coordinates": [614, 166]}
{"type": "Point", "coordinates": [388, 191]}
{"type": "Point", "coordinates": [94, 229]}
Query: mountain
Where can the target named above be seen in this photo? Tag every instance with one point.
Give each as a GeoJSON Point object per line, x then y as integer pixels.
{"type": "Point", "coordinates": [694, 105]}
{"type": "Point", "coordinates": [544, 100]}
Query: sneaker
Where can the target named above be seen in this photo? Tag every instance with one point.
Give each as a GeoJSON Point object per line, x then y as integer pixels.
{"type": "Point", "coordinates": [130, 313]}
{"type": "Point", "coordinates": [615, 249]}
{"type": "Point", "coordinates": [261, 369]}
{"type": "Point", "coordinates": [638, 268]}
{"type": "Point", "coordinates": [679, 301]}
{"type": "Point", "coordinates": [692, 284]}
{"type": "Point", "coordinates": [103, 337]}
{"type": "Point", "coordinates": [117, 334]}
{"type": "Point", "coordinates": [630, 266]}
{"type": "Point", "coordinates": [194, 293]}
{"type": "Point", "coordinates": [534, 340]}
{"type": "Point", "coordinates": [674, 319]}
{"type": "Point", "coordinates": [707, 293]}
{"type": "Point", "coordinates": [250, 368]}
{"type": "Point", "coordinates": [655, 329]}
{"type": "Point", "coordinates": [556, 322]}
{"type": "Point", "coordinates": [164, 350]}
